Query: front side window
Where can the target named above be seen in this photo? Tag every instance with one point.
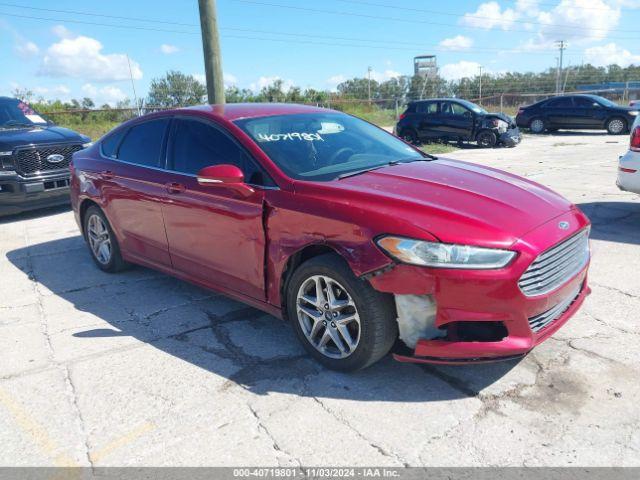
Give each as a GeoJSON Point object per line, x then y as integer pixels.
{"type": "Point", "coordinates": [196, 145]}
{"type": "Point", "coordinates": [142, 144]}
{"type": "Point", "coordinates": [324, 146]}
{"type": "Point", "coordinates": [459, 109]}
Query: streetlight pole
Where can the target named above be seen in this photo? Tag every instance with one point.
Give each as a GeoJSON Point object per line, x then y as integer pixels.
{"type": "Point", "coordinates": [369, 73]}
{"type": "Point", "coordinates": [211, 49]}
{"type": "Point", "coordinates": [480, 93]}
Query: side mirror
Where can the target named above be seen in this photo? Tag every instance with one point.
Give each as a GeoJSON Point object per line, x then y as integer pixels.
{"type": "Point", "coordinates": [228, 176]}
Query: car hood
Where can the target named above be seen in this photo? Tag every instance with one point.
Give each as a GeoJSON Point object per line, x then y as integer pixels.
{"type": "Point", "coordinates": [455, 201]}
{"type": "Point", "coordinates": [501, 116]}
{"type": "Point", "coordinates": [10, 139]}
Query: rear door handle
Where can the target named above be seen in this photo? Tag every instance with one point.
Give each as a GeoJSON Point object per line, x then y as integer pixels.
{"type": "Point", "coordinates": [107, 174]}
{"type": "Point", "coordinates": [174, 187]}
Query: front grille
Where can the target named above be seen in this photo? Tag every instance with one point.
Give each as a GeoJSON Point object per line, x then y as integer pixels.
{"type": "Point", "coordinates": [541, 321]}
{"type": "Point", "coordinates": [557, 265]}
{"type": "Point", "coordinates": [33, 160]}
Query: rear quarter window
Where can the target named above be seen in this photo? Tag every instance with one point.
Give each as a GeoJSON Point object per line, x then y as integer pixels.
{"type": "Point", "coordinates": [109, 146]}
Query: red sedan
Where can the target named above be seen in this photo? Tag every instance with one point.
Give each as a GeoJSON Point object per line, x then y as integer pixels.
{"type": "Point", "coordinates": [363, 242]}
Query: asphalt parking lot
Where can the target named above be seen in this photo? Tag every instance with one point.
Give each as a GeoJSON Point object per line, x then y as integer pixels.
{"type": "Point", "coordinates": [142, 369]}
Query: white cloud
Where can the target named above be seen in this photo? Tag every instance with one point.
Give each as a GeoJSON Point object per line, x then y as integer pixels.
{"type": "Point", "coordinates": [609, 54]}
{"type": "Point", "coordinates": [573, 19]}
{"type": "Point", "coordinates": [334, 81]}
{"type": "Point", "coordinates": [168, 49]}
{"type": "Point", "coordinates": [107, 94]}
{"type": "Point", "coordinates": [82, 57]}
{"type": "Point", "coordinates": [462, 69]}
{"type": "Point", "coordinates": [228, 79]}
{"type": "Point", "coordinates": [459, 42]}
{"type": "Point", "coordinates": [384, 76]}
{"type": "Point", "coordinates": [27, 49]}
{"type": "Point", "coordinates": [61, 31]}
{"type": "Point", "coordinates": [266, 81]}
{"type": "Point", "coordinates": [490, 15]}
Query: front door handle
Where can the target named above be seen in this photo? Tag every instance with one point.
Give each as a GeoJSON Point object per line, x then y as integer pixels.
{"type": "Point", "coordinates": [174, 187]}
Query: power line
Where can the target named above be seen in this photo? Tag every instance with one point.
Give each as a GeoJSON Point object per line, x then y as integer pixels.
{"type": "Point", "coordinates": [574, 7]}
{"type": "Point", "coordinates": [94, 14]}
{"type": "Point", "coordinates": [397, 19]}
{"type": "Point", "coordinates": [479, 17]}
{"type": "Point", "coordinates": [411, 46]}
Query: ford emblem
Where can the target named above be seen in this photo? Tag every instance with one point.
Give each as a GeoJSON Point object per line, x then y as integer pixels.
{"type": "Point", "coordinates": [563, 225]}
{"type": "Point", "coordinates": [55, 158]}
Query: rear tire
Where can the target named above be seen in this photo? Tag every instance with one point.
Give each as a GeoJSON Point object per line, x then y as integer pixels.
{"type": "Point", "coordinates": [616, 126]}
{"type": "Point", "coordinates": [486, 139]}
{"type": "Point", "coordinates": [537, 126]}
{"type": "Point", "coordinates": [410, 136]}
{"type": "Point", "coordinates": [102, 241]}
{"type": "Point", "coordinates": [354, 315]}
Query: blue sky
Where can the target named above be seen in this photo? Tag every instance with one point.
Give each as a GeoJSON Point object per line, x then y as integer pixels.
{"type": "Point", "coordinates": [311, 44]}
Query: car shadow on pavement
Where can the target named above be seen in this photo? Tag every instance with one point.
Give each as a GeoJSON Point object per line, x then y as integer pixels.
{"type": "Point", "coordinates": [614, 221]}
{"type": "Point", "coordinates": [90, 314]}
{"type": "Point", "coordinates": [42, 212]}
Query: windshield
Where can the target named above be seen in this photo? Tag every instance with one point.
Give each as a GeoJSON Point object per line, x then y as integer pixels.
{"type": "Point", "coordinates": [473, 106]}
{"type": "Point", "coordinates": [325, 146]}
{"type": "Point", "coordinates": [16, 113]}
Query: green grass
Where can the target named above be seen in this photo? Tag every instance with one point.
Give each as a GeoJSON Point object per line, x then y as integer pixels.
{"type": "Point", "coordinates": [371, 113]}
{"type": "Point", "coordinates": [438, 148]}
{"type": "Point", "coordinates": [93, 130]}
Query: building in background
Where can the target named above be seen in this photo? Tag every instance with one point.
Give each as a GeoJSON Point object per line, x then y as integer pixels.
{"type": "Point", "coordinates": [425, 66]}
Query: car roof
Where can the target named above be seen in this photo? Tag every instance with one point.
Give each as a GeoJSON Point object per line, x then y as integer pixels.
{"type": "Point", "coordinates": [236, 111]}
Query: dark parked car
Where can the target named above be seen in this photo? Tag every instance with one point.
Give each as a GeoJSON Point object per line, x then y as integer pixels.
{"type": "Point", "coordinates": [576, 112]}
{"type": "Point", "coordinates": [457, 120]}
{"type": "Point", "coordinates": [34, 158]}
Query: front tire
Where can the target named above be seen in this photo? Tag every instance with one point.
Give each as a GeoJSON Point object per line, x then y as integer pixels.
{"type": "Point", "coordinates": [103, 244]}
{"type": "Point", "coordinates": [340, 319]}
{"type": "Point", "coordinates": [616, 126]}
{"type": "Point", "coordinates": [487, 139]}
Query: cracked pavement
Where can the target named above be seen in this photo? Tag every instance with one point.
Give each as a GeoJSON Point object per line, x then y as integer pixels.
{"type": "Point", "coordinates": [140, 369]}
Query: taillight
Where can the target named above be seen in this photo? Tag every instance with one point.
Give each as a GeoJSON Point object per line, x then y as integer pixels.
{"type": "Point", "coordinates": [635, 140]}
{"type": "Point", "coordinates": [402, 115]}
{"type": "Point", "coordinates": [627, 170]}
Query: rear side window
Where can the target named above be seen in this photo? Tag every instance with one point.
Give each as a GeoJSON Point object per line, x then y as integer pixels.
{"type": "Point", "coordinates": [109, 145]}
{"type": "Point", "coordinates": [428, 108]}
{"type": "Point", "coordinates": [560, 103]}
{"type": "Point", "coordinates": [143, 143]}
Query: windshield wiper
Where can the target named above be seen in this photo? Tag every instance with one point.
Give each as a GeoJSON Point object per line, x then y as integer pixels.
{"type": "Point", "coordinates": [13, 123]}
{"type": "Point", "coordinates": [365, 170]}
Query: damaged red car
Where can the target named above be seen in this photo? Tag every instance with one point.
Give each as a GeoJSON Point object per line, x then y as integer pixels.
{"type": "Point", "coordinates": [363, 242]}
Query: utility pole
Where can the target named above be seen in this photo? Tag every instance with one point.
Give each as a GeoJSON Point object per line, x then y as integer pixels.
{"type": "Point", "coordinates": [369, 73]}
{"type": "Point", "coordinates": [480, 95]}
{"type": "Point", "coordinates": [211, 48]}
{"type": "Point", "coordinates": [561, 46]}
{"type": "Point", "coordinates": [133, 86]}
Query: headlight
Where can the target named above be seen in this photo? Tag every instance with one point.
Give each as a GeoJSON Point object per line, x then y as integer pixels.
{"type": "Point", "coordinates": [443, 255]}
{"type": "Point", "coordinates": [633, 113]}
{"type": "Point", "coordinates": [502, 126]}
{"type": "Point", "coordinates": [87, 145]}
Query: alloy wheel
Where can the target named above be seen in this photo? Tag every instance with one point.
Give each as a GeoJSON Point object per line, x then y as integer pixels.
{"type": "Point", "coordinates": [616, 126]}
{"type": "Point", "coordinates": [328, 317]}
{"type": "Point", "coordinates": [537, 126]}
{"type": "Point", "coordinates": [99, 239]}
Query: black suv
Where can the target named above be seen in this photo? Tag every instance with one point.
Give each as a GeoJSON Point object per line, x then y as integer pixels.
{"type": "Point", "coordinates": [458, 120]}
{"type": "Point", "coordinates": [578, 112]}
{"type": "Point", "coordinates": [34, 158]}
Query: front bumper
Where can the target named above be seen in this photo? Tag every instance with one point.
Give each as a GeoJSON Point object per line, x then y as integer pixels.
{"type": "Point", "coordinates": [511, 137]}
{"type": "Point", "coordinates": [19, 194]}
{"type": "Point", "coordinates": [483, 296]}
